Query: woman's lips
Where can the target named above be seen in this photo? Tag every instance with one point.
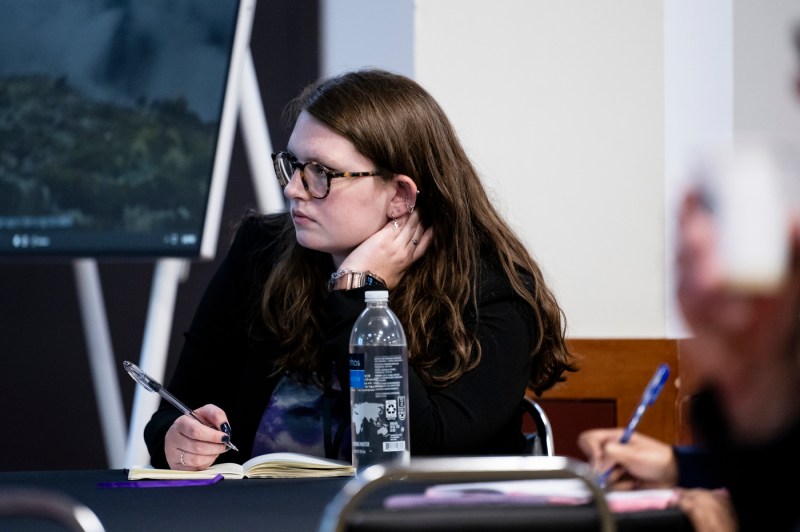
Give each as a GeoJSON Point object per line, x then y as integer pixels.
{"type": "Point", "coordinates": [301, 218]}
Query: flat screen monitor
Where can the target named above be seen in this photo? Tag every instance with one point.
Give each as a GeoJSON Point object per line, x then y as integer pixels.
{"type": "Point", "coordinates": [117, 120]}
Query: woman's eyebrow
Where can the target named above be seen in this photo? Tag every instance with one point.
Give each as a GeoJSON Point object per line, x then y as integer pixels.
{"type": "Point", "coordinates": [321, 161]}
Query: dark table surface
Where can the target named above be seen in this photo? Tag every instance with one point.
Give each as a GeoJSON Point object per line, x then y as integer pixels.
{"type": "Point", "coordinates": [287, 504]}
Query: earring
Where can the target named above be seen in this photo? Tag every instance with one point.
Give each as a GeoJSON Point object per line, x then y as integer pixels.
{"type": "Point", "coordinates": [394, 221]}
{"type": "Point", "coordinates": [410, 207]}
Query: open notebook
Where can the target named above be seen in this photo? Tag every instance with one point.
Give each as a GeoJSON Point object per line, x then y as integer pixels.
{"type": "Point", "coordinates": [272, 465]}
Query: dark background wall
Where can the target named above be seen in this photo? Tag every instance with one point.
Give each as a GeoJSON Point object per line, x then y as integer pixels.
{"type": "Point", "coordinates": [47, 404]}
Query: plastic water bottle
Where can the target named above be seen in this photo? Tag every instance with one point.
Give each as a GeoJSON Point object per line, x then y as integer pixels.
{"type": "Point", "coordinates": [379, 385]}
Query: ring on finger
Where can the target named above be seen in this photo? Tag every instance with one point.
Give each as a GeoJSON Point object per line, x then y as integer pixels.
{"type": "Point", "coordinates": [182, 462]}
{"type": "Point", "coordinates": [414, 241]}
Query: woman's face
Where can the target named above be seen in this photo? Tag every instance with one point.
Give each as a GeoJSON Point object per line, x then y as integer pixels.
{"type": "Point", "coordinates": [355, 208]}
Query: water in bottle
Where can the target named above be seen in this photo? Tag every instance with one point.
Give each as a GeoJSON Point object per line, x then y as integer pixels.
{"type": "Point", "coordinates": [379, 385]}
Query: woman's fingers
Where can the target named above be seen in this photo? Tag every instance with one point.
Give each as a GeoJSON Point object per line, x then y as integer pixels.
{"type": "Point", "coordinates": [190, 444]}
{"type": "Point", "coordinates": [389, 252]}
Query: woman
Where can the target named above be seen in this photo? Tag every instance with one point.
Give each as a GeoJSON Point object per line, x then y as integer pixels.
{"type": "Point", "coordinates": [380, 193]}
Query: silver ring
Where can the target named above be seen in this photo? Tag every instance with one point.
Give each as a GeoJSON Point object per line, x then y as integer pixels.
{"type": "Point", "coordinates": [414, 241]}
{"type": "Point", "coordinates": [182, 462]}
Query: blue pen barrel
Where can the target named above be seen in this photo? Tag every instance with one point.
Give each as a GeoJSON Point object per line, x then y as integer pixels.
{"type": "Point", "coordinates": [649, 396]}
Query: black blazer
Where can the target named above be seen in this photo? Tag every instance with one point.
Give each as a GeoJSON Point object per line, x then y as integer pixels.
{"type": "Point", "coordinates": [228, 359]}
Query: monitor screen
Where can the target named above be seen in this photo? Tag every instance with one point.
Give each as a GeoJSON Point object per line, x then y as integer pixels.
{"type": "Point", "coordinates": [117, 120]}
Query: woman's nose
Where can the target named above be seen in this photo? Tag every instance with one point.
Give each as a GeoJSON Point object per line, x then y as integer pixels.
{"type": "Point", "coordinates": [295, 188]}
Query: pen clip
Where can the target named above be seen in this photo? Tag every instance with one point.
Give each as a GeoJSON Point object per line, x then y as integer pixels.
{"type": "Point", "coordinates": [150, 384]}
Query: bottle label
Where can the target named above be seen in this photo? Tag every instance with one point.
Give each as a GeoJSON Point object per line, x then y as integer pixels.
{"type": "Point", "coordinates": [356, 370]}
{"type": "Point", "coordinates": [379, 402]}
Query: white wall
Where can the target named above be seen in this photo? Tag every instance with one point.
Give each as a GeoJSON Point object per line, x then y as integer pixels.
{"type": "Point", "coordinates": [766, 66]}
{"type": "Point", "coordinates": [698, 107]}
{"type": "Point", "coordinates": [367, 33]}
{"type": "Point", "coordinates": [560, 104]}
{"type": "Point", "coordinates": [580, 115]}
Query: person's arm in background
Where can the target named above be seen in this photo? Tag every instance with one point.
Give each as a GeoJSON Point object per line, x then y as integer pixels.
{"type": "Point", "coordinates": [643, 462]}
{"type": "Point", "coordinates": [647, 463]}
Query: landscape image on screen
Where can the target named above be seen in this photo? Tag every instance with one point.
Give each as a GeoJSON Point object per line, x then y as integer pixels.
{"type": "Point", "coordinates": [109, 116]}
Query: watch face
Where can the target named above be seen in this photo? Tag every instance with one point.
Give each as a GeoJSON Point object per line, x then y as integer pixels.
{"type": "Point", "coordinates": [372, 280]}
{"type": "Point", "coordinates": [346, 280]}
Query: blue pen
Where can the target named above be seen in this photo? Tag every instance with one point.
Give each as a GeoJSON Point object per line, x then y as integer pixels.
{"type": "Point", "coordinates": [648, 398]}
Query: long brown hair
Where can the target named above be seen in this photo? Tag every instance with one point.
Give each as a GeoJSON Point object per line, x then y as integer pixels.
{"type": "Point", "coordinates": [392, 120]}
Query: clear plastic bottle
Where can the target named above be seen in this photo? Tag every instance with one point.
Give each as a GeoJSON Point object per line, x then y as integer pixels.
{"type": "Point", "coordinates": [379, 385]}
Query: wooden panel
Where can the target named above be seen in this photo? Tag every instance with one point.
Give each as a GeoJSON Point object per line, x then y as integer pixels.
{"type": "Point", "coordinates": [618, 370]}
{"type": "Point", "coordinates": [569, 417]}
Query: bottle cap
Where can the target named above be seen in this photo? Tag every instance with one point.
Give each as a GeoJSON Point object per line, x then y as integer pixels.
{"type": "Point", "coordinates": [376, 295]}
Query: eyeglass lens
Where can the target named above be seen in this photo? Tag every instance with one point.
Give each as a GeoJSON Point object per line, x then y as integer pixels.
{"type": "Point", "coordinates": [313, 174]}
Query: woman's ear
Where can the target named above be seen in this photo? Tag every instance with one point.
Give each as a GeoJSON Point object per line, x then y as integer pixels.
{"type": "Point", "coordinates": [404, 200]}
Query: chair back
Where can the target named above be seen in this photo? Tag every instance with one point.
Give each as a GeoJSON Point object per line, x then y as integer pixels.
{"type": "Point", "coordinates": [47, 505]}
{"type": "Point", "coordinates": [538, 442]}
{"type": "Point", "coordinates": [346, 512]}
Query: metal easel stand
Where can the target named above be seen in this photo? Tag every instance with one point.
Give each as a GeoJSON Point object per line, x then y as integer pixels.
{"type": "Point", "coordinates": [155, 347]}
{"type": "Point", "coordinates": [101, 359]}
{"type": "Point", "coordinates": [255, 135]}
{"type": "Point", "coordinates": [167, 274]}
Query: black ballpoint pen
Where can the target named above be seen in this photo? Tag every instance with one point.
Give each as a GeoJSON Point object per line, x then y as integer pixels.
{"type": "Point", "coordinates": [152, 385]}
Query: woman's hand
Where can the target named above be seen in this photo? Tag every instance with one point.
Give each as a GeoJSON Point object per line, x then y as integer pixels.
{"type": "Point", "coordinates": [389, 252]}
{"type": "Point", "coordinates": [643, 462]}
{"type": "Point", "coordinates": [190, 445]}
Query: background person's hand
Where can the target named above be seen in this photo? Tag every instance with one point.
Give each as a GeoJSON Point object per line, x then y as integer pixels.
{"type": "Point", "coordinates": [389, 252]}
{"type": "Point", "coordinates": [643, 462]}
{"type": "Point", "coordinates": [190, 445]}
{"type": "Point", "coordinates": [708, 510]}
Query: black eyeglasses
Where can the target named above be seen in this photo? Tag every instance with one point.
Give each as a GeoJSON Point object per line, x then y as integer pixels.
{"type": "Point", "coordinates": [316, 177]}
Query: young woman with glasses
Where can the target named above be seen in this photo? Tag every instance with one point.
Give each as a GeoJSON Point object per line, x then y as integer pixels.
{"type": "Point", "coordinates": [380, 194]}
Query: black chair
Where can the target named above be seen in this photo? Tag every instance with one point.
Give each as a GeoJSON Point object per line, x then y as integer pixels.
{"type": "Point", "coordinates": [540, 442]}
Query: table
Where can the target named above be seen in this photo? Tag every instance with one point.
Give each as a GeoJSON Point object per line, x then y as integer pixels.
{"type": "Point", "coordinates": [250, 504]}
{"type": "Point", "coordinates": [286, 505]}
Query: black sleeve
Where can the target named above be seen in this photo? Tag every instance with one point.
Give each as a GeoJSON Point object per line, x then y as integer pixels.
{"type": "Point", "coordinates": [694, 467]}
{"type": "Point", "coordinates": [217, 356]}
